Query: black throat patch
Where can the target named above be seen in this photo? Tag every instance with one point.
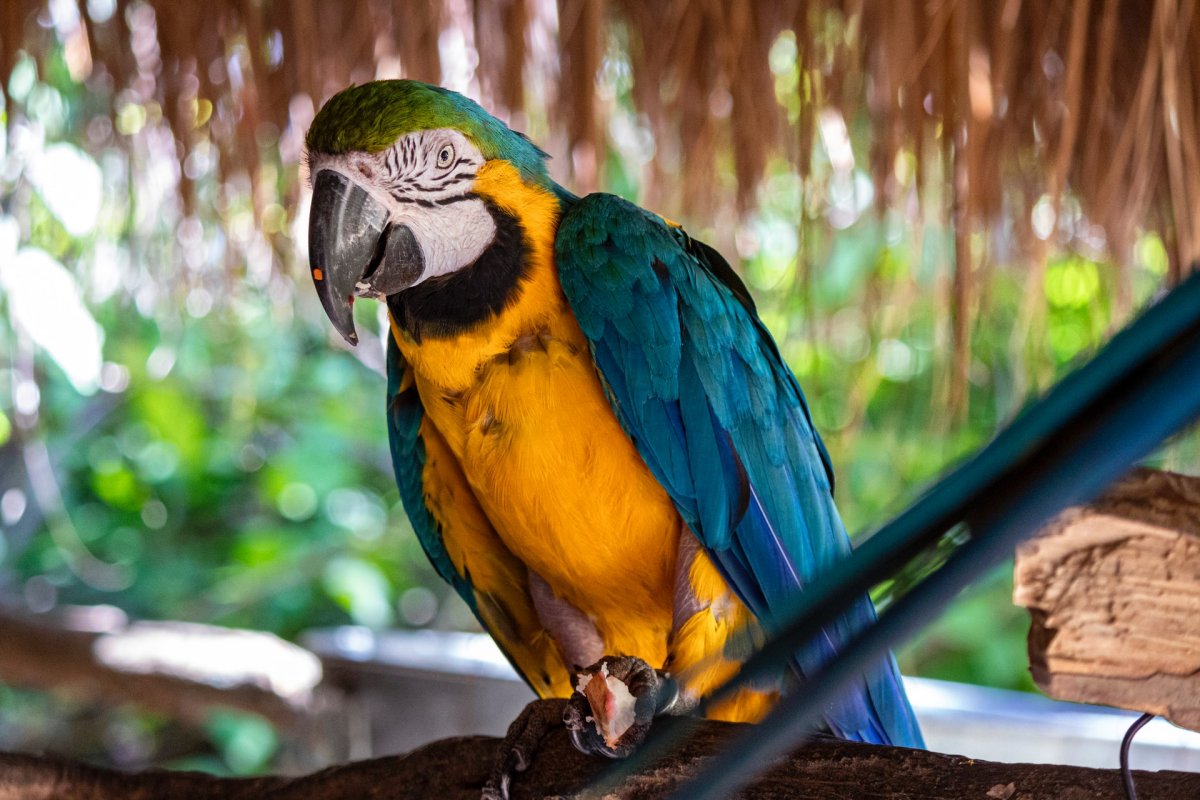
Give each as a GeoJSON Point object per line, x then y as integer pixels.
{"type": "Point", "coordinates": [450, 304]}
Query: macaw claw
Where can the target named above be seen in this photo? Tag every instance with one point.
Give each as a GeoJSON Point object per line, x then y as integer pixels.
{"type": "Point", "coordinates": [614, 704]}
{"type": "Point", "coordinates": [610, 713]}
{"type": "Point", "coordinates": [520, 743]}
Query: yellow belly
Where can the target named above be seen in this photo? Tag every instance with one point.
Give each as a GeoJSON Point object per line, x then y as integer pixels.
{"type": "Point", "coordinates": [563, 485]}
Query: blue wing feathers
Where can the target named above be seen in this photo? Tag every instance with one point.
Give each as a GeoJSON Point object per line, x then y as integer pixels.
{"type": "Point", "coordinates": [699, 386]}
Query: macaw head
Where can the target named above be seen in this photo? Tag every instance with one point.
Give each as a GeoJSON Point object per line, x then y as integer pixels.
{"type": "Point", "coordinates": [394, 166]}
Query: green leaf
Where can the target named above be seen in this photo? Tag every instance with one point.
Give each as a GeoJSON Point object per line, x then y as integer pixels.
{"type": "Point", "coordinates": [247, 742]}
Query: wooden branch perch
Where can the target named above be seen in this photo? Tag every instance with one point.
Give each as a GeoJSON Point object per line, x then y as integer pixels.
{"type": "Point", "coordinates": [457, 768]}
{"type": "Point", "coordinates": [1114, 592]}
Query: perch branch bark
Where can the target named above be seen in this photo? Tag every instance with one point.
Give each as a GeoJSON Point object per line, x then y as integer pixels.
{"type": "Point", "coordinates": [457, 768]}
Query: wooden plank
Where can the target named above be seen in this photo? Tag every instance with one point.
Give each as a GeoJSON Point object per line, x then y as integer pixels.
{"type": "Point", "coordinates": [1113, 589]}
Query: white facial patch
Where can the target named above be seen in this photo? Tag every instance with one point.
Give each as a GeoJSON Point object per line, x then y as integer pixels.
{"type": "Point", "coordinates": [451, 237]}
{"type": "Point", "coordinates": [426, 181]}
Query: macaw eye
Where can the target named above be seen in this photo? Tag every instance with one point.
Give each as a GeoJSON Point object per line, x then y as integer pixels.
{"type": "Point", "coordinates": [445, 156]}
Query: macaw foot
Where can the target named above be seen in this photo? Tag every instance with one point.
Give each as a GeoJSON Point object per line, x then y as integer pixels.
{"type": "Point", "coordinates": [615, 702]}
{"type": "Point", "coordinates": [521, 742]}
{"type": "Point", "coordinates": [610, 713]}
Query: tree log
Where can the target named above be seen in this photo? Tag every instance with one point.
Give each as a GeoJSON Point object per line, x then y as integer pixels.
{"type": "Point", "coordinates": [177, 668]}
{"type": "Point", "coordinates": [457, 768]}
{"type": "Point", "coordinates": [1114, 592]}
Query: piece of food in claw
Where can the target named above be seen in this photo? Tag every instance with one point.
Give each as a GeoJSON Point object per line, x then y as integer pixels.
{"type": "Point", "coordinates": [611, 702]}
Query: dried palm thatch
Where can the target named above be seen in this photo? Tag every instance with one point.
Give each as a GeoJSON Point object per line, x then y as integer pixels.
{"type": "Point", "coordinates": [1099, 98]}
{"type": "Point", "coordinates": [1090, 108]}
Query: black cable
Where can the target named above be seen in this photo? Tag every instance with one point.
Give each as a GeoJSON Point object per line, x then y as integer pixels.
{"type": "Point", "coordinates": [1126, 773]}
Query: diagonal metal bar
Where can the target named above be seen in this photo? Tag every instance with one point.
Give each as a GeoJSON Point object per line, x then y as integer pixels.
{"type": "Point", "coordinates": [1143, 386]}
{"type": "Point", "coordinates": [1102, 452]}
{"type": "Point", "coordinates": [950, 501]}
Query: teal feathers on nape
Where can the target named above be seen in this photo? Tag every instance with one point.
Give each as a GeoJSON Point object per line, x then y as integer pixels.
{"type": "Point", "coordinates": [1143, 387]}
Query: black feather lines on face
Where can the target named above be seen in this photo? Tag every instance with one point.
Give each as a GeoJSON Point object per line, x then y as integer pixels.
{"type": "Point", "coordinates": [409, 181]}
{"type": "Point", "coordinates": [448, 305]}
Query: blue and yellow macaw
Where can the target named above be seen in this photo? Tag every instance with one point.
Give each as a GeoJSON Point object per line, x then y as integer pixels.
{"type": "Point", "coordinates": [596, 439]}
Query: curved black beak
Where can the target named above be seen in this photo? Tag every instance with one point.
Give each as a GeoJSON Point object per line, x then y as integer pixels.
{"type": "Point", "coordinates": [354, 251]}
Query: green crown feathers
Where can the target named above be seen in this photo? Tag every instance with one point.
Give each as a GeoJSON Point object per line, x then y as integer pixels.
{"type": "Point", "coordinates": [372, 116]}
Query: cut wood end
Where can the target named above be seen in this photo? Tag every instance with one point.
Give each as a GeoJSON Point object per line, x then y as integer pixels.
{"type": "Point", "coordinates": [1114, 592]}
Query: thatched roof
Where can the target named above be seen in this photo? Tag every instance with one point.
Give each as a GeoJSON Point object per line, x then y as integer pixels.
{"type": "Point", "coordinates": [1007, 103]}
{"type": "Point", "coordinates": [1039, 123]}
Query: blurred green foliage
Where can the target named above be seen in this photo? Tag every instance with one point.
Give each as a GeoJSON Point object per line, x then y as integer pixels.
{"type": "Point", "coordinates": [228, 461]}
